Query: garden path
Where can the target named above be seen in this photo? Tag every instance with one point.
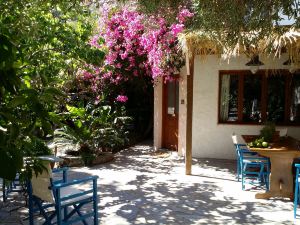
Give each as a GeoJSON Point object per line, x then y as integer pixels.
{"type": "Point", "coordinates": [141, 188]}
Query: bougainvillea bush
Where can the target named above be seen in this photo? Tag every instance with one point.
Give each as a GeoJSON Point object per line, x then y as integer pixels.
{"type": "Point", "coordinates": [137, 46]}
{"type": "Point", "coordinates": [138, 50]}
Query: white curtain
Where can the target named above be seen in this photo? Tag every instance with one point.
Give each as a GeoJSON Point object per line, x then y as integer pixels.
{"type": "Point", "coordinates": [295, 105]}
{"type": "Point", "coordinates": [224, 104]}
{"type": "Point", "coordinates": [297, 95]}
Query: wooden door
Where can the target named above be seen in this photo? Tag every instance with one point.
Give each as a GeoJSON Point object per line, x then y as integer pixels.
{"type": "Point", "coordinates": [170, 115]}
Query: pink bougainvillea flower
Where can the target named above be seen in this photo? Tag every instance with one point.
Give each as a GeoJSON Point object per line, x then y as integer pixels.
{"type": "Point", "coordinates": [87, 75]}
{"type": "Point", "coordinates": [136, 46]}
{"type": "Point", "coordinates": [176, 28]}
{"type": "Point", "coordinates": [183, 14]}
{"type": "Point", "coordinates": [118, 65]}
{"type": "Point", "coordinates": [124, 55]}
{"type": "Point", "coordinates": [122, 98]}
{"type": "Point", "coordinates": [97, 100]}
{"type": "Point", "coordinates": [94, 41]}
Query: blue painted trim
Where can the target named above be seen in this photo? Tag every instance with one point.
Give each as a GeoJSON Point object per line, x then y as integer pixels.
{"type": "Point", "coordinates": [261, 163]}
{"type": "Point", "coordinates": [84, 180]}
{"type": "Point", "coordinates": [30, 202]}
{"type": "Point", "coordinates": [296, 194]}
{"type": "Point", "coordinates": [95, 202]}
{"type": "Point", "coordinates": [59, 205]}
{"type": "Point", "coordinates": [58, 170]}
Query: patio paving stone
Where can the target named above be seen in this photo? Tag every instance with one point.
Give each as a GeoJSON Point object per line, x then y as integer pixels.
{"type": "Point", "coordinates": [139, 188]}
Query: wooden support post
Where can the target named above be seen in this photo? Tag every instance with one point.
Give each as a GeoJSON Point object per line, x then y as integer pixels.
{"type": "Point", "coordinates": [189, 119]}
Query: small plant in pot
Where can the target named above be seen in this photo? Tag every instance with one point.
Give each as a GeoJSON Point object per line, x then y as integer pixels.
{"type": "Point", "coordinates": [268, 132]}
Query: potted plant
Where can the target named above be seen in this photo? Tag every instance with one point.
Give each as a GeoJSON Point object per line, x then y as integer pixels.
{"type": "Point", "coordinates": [269, 133]}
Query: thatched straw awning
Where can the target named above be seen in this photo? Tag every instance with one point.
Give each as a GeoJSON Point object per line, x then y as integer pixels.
{"type": "Point", "coordinates": [202, 43]}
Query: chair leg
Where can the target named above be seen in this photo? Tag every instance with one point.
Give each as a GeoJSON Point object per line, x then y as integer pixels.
{"type": "Point", "coordinates": [3, 190]}
{"type": "Point", "coordinates": [30, 203]}
{"type": "Point", "coordinates": [243, 168]}
{"type": "Point", "coordinates": [95, 202]}
{"type": "Point", "coordinates": [72, 212]}
{"type": "Point", "coordinates": [262, 174]}
{"type": "Point", "coordinates": [238, 169]}
{"type": "Point", "coordinates": [296, 198]}
{"type": "Point", "coordinates": [58, 208]}
{"type": "Point", "coordinates": [65, 212]}
{"type": "Point", "coordinates": [243, 181]}
{"type": "Point", "coordinates": [42, 211]}
{"type": "Point", "coordinates": [79, 213]}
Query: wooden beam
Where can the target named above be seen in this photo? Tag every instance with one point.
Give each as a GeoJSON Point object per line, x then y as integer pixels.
{"type": "Point", "coordinates": [189, 119]}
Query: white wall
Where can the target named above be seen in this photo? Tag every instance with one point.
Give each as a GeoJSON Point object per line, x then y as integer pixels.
{"type": "Point", "coordinates": [210, 139]}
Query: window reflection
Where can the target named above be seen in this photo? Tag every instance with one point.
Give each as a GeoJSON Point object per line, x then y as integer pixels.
{"type": "Point", "coordinates": [257, 98]}
{"type": "Point", "coordinates": [252, 98]}
{"type": "Point", "coordinates": [295, 100]}
{"type": "Point", "coordinates": [276, 98]}
{"type": "Point", "coordinates": [173, 97]}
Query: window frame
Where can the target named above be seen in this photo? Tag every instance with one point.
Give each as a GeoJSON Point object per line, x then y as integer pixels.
{"type": "Point", "coordinates": [264, 85]}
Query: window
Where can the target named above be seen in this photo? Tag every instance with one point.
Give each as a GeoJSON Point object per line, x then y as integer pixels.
{"type": "Point", "coordinates": [229, 98]}
{"type": "Point", "coordinates": [173, 97]}
{"type": "Point", "coordinates": [276, 98]}
{"type": "Point", "coordinates": [295, 100]}
{"type": "Point", "coordinates": [252, 98]}
{"type": "Point", "coordinates": [255, 98]}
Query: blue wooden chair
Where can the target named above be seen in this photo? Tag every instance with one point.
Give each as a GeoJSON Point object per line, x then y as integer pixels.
{"type": "Point", "coordinates": [297, 189]}
{"type": "Point", "coordinates": [254, 169]}
{"type": "Point", "coordinates": [10, 186]}
{"type": "Point", "coordinates": [241, 145]}
{"type": "Point", "coordinates": [246, 152]}
{"type": "Point", "coordinates": [46, 192]}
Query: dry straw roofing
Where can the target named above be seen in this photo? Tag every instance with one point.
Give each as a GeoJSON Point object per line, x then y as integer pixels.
{"type": "Point", "coordinates": [203, 43]}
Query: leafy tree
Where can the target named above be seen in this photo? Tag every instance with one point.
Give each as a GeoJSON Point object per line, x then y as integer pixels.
{"type": "Point", "coordinates": [229, 20]}
{"type": "Point", "coordinates": [41, 44]}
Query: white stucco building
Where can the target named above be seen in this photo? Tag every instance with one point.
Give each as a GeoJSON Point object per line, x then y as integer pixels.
{"type": "Point", "coordinates": [227, 98]}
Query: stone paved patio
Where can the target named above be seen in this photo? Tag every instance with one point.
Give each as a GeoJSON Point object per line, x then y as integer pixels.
{"type": "Point", "coordinates": [141, 188]}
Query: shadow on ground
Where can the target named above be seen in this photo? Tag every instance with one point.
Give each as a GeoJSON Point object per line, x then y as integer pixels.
{"type": "Point", "coordinates": [143, 189]}
{"type": "Point", "coordinates": [139, 188]}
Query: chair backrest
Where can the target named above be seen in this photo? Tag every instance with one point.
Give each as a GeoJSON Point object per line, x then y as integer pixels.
{"type": "Point", "coordinates": [237, 139]}
{"type": "Point", "coordinates": [282, 132]}
{"type": "Point", "coordinates": [234, 139]}
{"type": "Point", "coordinates": [239, 143]}
{"type": "Point", "coordinates": [41, 184]}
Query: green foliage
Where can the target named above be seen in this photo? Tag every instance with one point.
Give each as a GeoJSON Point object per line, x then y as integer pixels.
{"type": "Point", "coordinates": [165, 8]}
{"type": "Point", "coordinates": [41, 44]}
{"type": "Point", "coordinates": [36, 147]}
{"type": "Point", "coordinates": [95, 129]}
{"type": "Point", "coordinates": [229, 20]}
{"type": "Point", "coordinates": [87, 154]}
{"type": "Point", "coordinates": [115, 137]}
